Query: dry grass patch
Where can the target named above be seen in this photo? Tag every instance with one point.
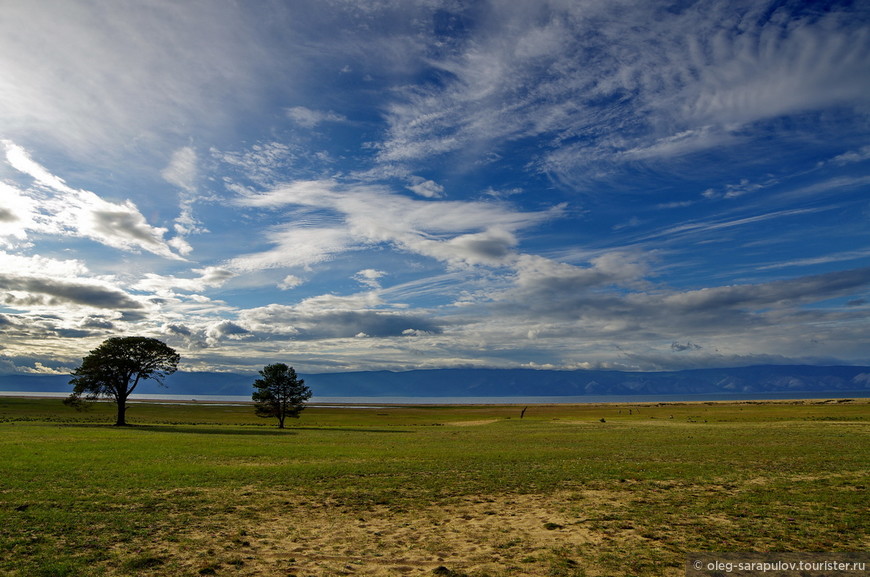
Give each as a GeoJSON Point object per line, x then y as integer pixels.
{"type": "Point", "coordinates": [519, 535]}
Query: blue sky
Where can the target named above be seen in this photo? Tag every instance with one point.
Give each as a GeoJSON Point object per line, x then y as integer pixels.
{"type": "Point", "coordinates": [345, 185]}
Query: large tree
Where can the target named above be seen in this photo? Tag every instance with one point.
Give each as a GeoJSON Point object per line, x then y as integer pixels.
{"type": "Point", "coordinates": [280, 393]}
{"type": "Point", "coordinates": [113, 369]}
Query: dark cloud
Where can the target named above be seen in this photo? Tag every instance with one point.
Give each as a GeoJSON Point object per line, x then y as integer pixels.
{"type": "Point", "coordinates": [225, 330]}
{"type": "Point", "coordinates": [133, 316]}
{"type": "Point", "coordinates": [75, 333]}
{"type": "Point", "coordinates": [749, 320]}
{"type": "Point", "coordinates": [786, 292]}
{"type": "Point", "coordinates": [312, 325]}
{"type": "Point", "coordinates": [689, 346]}
{"type": "Point", "coordinates": [573, 296]}
{"type": "Point", "coordinates": [344, 324]}
{"type": "Point", "coordinates": [125, 224]}
{"type": "Point", "coordinates": [7, 215]}
{"type": "Point", "coordinates": [98, 323]}
{"type": "Point", "coordinates": [56, 292]}
{"type": "Point", "coordinates": [179, 330]}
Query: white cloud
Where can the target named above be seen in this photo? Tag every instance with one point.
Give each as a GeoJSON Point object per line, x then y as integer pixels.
{"type": "Point", "coordinates": [779, 67]}
{"type": "Point", "coordinates": [18, 212]}
{"type": "Point", "coordinates": [369, 278]}
{"type": "Point", "coordinates": [21, 161]}
{"type": "Point", "coordinates": [295, 246]}
{"type": "Point", "coordinates": [309, 118]}
{"type": "Point", "coordinates": [290, 282]}
{"type": "Point", "coordinates": [182, 171]}
{"type": "Point", "coordinates": [38, 265]}
{"type": "Point", "coordinates": [702, 227]}
{"type": "Point", "coordinates": [208, 277]}
{"type": "Point", "coordinates": [459, 233]}
{"type": "Point", "coordinates": [93, 78]}
{"type": "Point", "coordinates": [603, 84]}
{"type": "Point", "coordinates": [75, 212]}
{"type": "Point", "coordinates": [426, 188]}
{"type": "Point", "coordinates": [852, 156]}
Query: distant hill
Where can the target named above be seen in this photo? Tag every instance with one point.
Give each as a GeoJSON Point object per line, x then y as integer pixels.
{"type": "Point", "coordinates": [508, 382]}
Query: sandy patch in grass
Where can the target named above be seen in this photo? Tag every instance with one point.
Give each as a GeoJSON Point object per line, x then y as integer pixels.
{"type": "Point", "coordinates": [623, 527]}
{"type": "Point", "coordinates": [517, 535]}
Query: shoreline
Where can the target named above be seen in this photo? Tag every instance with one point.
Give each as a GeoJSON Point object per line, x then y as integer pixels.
{"type": "Point", "coordinates": [863, 397]}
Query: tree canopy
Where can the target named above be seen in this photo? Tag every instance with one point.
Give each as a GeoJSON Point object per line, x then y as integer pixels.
{"type": "Point", "coordinates": [115, 368]}
{"type": "Point", "coordinates": [280, 393]}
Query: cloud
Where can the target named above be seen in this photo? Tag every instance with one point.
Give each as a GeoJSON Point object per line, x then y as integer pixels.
{"type": "Point", "coordinates": [689, 346]}
{"type": "Point", "coordinates": [263, 164]}
{"type": "Point", "coordinates": [208, 277]}
{"type": "Point", "coordinates": [606, 310]}
{"type": "Point", "coordinates": [18, 212]}
{"type": "Point", "coordinates": [178, 330]}
{"type": "Point", "coordinates": [290, 282]}
{"type": "Point", "coordinates": [181, 170]}
{"type": "Point", "coordinates": [18, 158]}
{"type": "Point", "coordinates": [779, 66]}
{"type": "Point", "coordinates": [426, 188]}
{"type": "Point", "coordinates": [296, 246]}
{"type": "Point", "coordinates": [545, 281]}
{"type": "Point", "coordinates": [801, 290]}
{"type": "Point", "coordinates": [315, 321]}
{"type": "Point", "coordinates": [704, 227]}
{"type": "Point", "coordinates": [717, 310]}
{"type": "Point", "coordinates": [608, 84]}
{"type": "Point", "coordinates": [369, 277]}
{"type": "Point", "coordinates": [34, 292]}
{"type": "Point", "coordinates": [459, 233]}
{"type": "Point", "coordinates": [225, 330]}
{"type": "Point", "coordinates": [309, 118]}
{"type": "Point", "coordinates": [94, 79]}
{"type": "Point", "coordinates": [60, 209]}
{"type": "Point", "coordinates": [852, 156]}
{"type": "Point", "coordinates": [63, 301]}
{"type": "Point", "coordinates": [491, 247]}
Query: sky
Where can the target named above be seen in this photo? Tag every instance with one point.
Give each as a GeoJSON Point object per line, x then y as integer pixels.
{"type": "Point", "coordinates": [391, 185]}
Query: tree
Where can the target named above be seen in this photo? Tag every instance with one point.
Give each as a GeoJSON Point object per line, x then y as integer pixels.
{"type": "Point", "coordinates": [280, 393]}
{"type": "Point", "coordinates": [113, 369]}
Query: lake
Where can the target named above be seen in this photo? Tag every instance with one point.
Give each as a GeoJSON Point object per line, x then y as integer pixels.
{"type": "Point", "coordinates": [523, 400]}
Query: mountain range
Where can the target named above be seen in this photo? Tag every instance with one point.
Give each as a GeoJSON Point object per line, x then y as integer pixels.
{"type": "Point", "coordinates": [507, 382]}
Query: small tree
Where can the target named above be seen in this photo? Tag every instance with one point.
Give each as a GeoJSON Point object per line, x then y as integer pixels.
{"type": "Point", "coordinates": [280, 393]}
{"type": "Point", "coordinates": [113, 370]}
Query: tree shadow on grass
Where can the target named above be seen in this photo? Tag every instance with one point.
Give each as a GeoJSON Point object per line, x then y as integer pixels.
{"type": "Point", "coordinates": [217, 430]}
{"type": "Point", "coordinates": [189, 429]}
{"type": "Point", "coordinates": [211, 430]}
{"type": "Point", "coordinates": [352, 430]}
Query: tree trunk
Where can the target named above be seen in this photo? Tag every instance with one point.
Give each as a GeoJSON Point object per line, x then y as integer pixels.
{"type": "Point", "coordinates": [280, 421]}
{"type": "Point", "coordinates": [122, 411]}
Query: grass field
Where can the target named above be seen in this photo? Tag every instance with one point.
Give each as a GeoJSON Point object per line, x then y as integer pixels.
{"type": "Point", "coordinates": [568, 490]}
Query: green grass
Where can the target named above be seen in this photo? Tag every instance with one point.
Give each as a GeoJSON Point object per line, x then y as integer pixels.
{"type": "Point", "coordinates": [81, 497]}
